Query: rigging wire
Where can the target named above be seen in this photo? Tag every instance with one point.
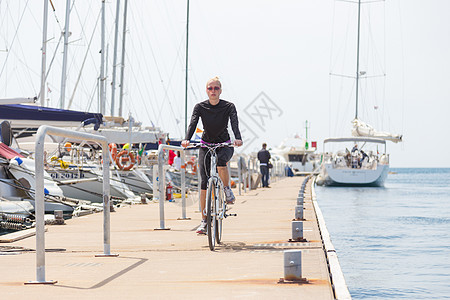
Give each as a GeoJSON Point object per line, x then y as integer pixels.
{"type": "Point", "coordinates": [165, 87]}
{"type": "Point", "coordinates": [14, 39]}
{"type": "Point", "coordinates": [331, 68]}
{"type": "Point", "coordinates": [84, 60]}
{"type": "Point", "coordinates": [145, 65]}
{"type": "Point", "coordinates": [54, 14]}
{"type": "Point", "coordinates": [336, 107]}
{"type": "Point", "coordinates": [402, 69]}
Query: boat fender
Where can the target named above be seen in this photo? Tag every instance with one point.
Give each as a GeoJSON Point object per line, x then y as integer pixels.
{"type": "Point", "coordinates": [113, 150]}
{"type": "Point", "coordinates": [19, 160]}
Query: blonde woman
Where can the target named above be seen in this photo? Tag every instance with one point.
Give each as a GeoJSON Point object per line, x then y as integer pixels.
{"type": "Point", "coordinates": [215, 114]}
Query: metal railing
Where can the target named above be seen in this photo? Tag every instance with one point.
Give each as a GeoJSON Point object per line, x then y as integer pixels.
{"type": "Point", "coordinates": [246, 169]}
{"type": "Point", "coordinates": [161, 180]}
{"type": "Point", "coordinates": [39, 195]}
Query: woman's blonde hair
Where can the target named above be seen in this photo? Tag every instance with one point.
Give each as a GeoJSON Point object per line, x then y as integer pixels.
{"type": "Point", "coordinates": [214, 79]}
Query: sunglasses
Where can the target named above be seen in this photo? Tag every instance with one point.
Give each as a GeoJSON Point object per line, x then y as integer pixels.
{"type": "Point", "coordinates": [216, 88]}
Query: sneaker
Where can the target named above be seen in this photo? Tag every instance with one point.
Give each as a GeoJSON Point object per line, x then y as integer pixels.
{"type": "Point", "coordinates": [229, 195]}
{"type": "Point", "coordinates": [202, 228]}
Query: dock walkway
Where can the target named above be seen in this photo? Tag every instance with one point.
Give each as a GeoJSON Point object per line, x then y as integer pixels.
{"type": "Point", "coordinates": [175, 263]}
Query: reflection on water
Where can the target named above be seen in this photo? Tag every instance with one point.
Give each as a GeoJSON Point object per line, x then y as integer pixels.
{"type": "Point", "coordinates": [393, 242]}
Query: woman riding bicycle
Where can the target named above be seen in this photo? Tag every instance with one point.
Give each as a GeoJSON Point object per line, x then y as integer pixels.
{"type": "Point", "coordinates": [215, 114]}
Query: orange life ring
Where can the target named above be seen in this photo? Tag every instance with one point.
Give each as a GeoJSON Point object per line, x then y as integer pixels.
{"type": "Point", "coordinates": [68, 147]}
{"type": "Point", "coordinates": [193, 166]}
{"type": "Point", "coordinates": [131, 159]}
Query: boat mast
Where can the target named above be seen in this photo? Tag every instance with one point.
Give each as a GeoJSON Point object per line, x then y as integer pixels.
{"type": "Point", "coordinates": [102, 64]}
{"type": "Point", "coordinates": [306, 128]}
{"type": "Point", "coordinates": [306, 135]}
{"type": "Point", "coordinates": [357, 58]}
{"type": "Point", "coordinates": [116, 36]}
{"type": "Point", "coordinates": [122, 66]}
{"type": "Point", "coordinates": [187, 56]}
{"type": "Point", "coordinates": [44, 54]}
{"type": "Point", "coordinates": [64, 66]}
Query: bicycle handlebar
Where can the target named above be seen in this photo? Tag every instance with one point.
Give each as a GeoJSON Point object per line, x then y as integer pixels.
{"type": "Point", "coordinates": [208, 145]}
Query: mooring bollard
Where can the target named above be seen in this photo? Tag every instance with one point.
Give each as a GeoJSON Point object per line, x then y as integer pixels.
{"type": "Point", "coordinates": [293, 265]}
{"type": "Point", "coordinates": [59, 218]}
{"type": "Point", "coordinates": [143, 199]}
{"type": "Point", "coordinates": [297, 232]}
{"type": "Point", "coordinates": [299, 212]}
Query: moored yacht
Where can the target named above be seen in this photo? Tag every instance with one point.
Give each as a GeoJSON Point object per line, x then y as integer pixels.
{"type": "Point", "coordinates": [363, 165]}
{"type": "Point", "coordinates": [296, 152]}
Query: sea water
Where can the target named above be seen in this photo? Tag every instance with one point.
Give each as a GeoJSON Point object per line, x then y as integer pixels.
{"type": "Point", "coordinates": [393, 242]}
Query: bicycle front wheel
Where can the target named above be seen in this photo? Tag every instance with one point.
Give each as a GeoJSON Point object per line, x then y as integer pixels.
{"type": "Point", "coordinates": [211, 220]}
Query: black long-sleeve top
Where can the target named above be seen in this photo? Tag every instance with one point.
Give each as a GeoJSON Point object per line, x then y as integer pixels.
{"type": "Point", "coordinates": [263, 156]}
{"type": "Point", "coordinates": [215, 121]}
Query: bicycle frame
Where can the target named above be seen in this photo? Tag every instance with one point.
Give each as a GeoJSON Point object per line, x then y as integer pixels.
{"type": "Point", "coordinates": [215, 199]}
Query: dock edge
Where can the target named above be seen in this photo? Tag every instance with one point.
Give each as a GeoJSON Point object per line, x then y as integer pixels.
{"type": "Point", "coordinates": [337, 279]}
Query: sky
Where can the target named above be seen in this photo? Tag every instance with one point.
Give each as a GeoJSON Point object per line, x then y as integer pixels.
{"type": "Point", "coordinates": [274, 59]}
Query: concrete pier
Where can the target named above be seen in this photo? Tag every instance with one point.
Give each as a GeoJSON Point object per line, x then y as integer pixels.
{"type": "Point", "coordinates": [176, 263]}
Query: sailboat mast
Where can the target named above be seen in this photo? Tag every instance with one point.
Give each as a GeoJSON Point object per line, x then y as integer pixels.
{"type": "Point", "coordinates": [306, 128]}
{"type": "Point", "coordinates": [122, 65]}
{"type": "Point", "coordinates": [187, 64]}
{"type": "Point", "coordinates": [116, 36]}
{"type": "Point", "coordinates": [357, 58]}
{"type": "Point", "coordinates": [102, 64]}
{"type": "Point", "coordinates": [44, 54]}
{"type": "Point", "coordinates": [64, 66]}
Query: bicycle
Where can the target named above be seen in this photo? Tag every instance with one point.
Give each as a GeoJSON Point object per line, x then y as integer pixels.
{"type": "Point", "coordinates": [216, 206]}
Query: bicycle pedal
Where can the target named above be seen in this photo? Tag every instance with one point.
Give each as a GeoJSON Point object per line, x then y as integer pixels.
{"type": "Point", "coordinates": [231, 215]}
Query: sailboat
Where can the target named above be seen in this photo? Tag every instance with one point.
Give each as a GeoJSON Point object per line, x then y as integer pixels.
{"type": "Point", "coordinates": [365, 164]}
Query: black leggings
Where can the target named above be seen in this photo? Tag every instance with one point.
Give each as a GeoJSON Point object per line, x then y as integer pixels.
{"type": "Point", "coordinates": [224, 154]}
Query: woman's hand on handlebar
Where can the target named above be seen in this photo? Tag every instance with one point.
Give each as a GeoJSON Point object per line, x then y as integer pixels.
{"type": "Point", "coordinates": [238, 143]}
{"type": "Point", "coordinates": [185, 143]}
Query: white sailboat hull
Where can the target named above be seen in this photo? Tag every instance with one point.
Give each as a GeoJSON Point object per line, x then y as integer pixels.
{"type": "Point", "coordinates": [136, 180]}
{"type": "Point", "coordinates": [88, 185]}
{"type": "Point", "coordinates": [332, 176]}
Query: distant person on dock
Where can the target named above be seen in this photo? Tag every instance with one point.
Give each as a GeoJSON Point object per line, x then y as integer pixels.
{"type": "Point", "coordinates": [215, 114]}
{"type": "Point", "coordinates": [177, 161]}
{"type": "Point", "coordinates": [264, 157]}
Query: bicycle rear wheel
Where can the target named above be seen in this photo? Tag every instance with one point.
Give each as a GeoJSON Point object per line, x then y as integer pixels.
{"type": "Point", "coordinates": [220, 204]}
{"type": "Point", "coordinates": [211, 215]}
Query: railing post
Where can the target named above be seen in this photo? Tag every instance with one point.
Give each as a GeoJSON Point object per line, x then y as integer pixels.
{"type": "Point", "coordinates": [249, 174]}
{"type": "Point", "coordinates": [155, 182]}
{"type": "Point", "coordinates": [239, 174]}
{"type": "Point", "coordinates": [161, 182]}
{"type": "Point", "coordinates": [39, 194]}
{"type": "Point", "coordinates": [183, 186]}
{"type": "Point", "coordinates": [199, 186]}
{"type": "Point", "coordinates": [161, 176]}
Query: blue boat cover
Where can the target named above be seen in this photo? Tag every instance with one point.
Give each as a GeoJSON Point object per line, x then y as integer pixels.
{"type": "Point", "coordinates": [29, 112]}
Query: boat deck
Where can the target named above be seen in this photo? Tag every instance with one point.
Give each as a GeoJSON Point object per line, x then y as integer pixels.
{"type": "Point", "coordinates": [176, 263]}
